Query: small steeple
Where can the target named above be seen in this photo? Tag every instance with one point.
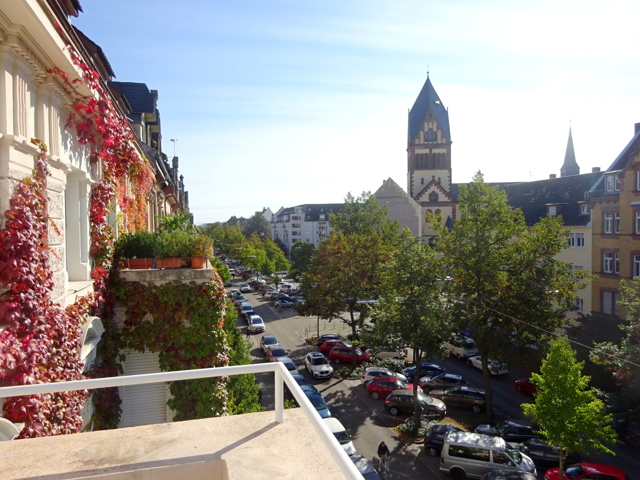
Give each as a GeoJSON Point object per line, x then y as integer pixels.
{"type": "Point", "coordinates": [570, 166]}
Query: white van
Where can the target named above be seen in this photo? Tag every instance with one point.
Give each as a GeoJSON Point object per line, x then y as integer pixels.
{"type": "Point", "coordinates": [472, 455]}
{"type": "Point", "coordinates": [341, 434]}
{"type": "Point", "coordinates": [246, 309]}
{"type": "Point", "coordinates": [462, 347]}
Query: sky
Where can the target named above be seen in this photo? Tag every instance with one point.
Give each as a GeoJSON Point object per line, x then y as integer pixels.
{"type": "Point", "coordinates": [278, 103]}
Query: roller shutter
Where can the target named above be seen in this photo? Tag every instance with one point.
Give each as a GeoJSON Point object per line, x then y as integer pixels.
{"type": "Point", "coordinates": [143, 404]}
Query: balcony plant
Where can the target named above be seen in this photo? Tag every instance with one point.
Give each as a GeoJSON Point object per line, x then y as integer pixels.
{"type": "Point", "coordinates": [171, 247]}
{"type": "Point", "coordinates": [136, 249]}
{"type": "Point", "coordinates": [201, 248]}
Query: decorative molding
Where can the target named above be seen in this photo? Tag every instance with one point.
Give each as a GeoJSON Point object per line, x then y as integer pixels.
{"type": "Point", "coordinates": [21, 47]}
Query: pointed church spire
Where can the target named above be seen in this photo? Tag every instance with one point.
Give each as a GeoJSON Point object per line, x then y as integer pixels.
{"type": "Point", "coordinates": [570, 166]}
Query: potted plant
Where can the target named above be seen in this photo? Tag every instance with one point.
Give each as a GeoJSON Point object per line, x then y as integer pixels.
{"type": "Point", "coordinates": [171, 247]}
{"type": "Point", "coordinates": [136, 249]}
{"type": "Point", "coordinates": [201, 248]}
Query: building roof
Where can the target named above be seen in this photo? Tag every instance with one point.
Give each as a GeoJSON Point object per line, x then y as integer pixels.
{"type": "Point", "coordinates": [620, 163]}
{"type": "Point", "coordinates": [138, 96]}
{"type": "Point", "coordinates": [533, 197]}
{"type": "Point", "coordinates": [427, 99]}
{"type": "Point", "coordinates": [311, 212]}
{"type": "Point", "coordinates": [97, 54]}
{"type": "Point", "coordinates": [570, 166]}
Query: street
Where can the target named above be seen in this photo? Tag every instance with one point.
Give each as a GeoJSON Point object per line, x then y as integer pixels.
{"type": "Point", "coordinates": [366, 420]}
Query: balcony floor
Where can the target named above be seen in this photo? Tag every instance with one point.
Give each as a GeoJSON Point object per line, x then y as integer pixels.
{"type": "Point", "coordinates": [236, 447]}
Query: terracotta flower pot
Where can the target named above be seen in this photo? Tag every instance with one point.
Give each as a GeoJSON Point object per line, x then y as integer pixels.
{"type": "Point", "coordinates": [198, 262]}
{"type": "Point", "coordinates": [169, 263]}
{"type": "Point", "coordinates": [138, 263]}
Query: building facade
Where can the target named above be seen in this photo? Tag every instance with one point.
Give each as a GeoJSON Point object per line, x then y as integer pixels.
{"type": "Point", "coordinates": [303, 223]}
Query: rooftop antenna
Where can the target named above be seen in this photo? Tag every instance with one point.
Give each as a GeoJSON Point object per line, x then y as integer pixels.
{"type": "Point", "coordinates": [174, 140]}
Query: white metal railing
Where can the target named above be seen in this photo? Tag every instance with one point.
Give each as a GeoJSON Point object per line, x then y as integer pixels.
{"type": "Point", "coordinates": [280, 374]}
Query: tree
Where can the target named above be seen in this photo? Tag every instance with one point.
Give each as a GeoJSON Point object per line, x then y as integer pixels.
{"type": "Point", "coordinates": [509, 287]}
{"type": "Point", "coordinates": [257, 223]}
{"type": "Point", "coordinates": [345, 270]}
{"type": "Point", "coordinates": [221, 268]}
{"type": "Point", "coordinates": [568, 413]}
{"type": "Point", "coordinates": [413, 307]}
{"type": "Point", "coordinates": [363, 215]}
{"type": "Point", "coordinates": [622, 359]}
{"type": "Point", "coordinates": [244, 393]}
{"type": "Point", "coordinates": [301, 254]}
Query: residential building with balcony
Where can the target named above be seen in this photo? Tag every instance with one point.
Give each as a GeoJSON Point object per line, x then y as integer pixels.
{"type": "Point", "coordinates": [614, 201]}
{"type": "Point", "coordinates": [303, 223]}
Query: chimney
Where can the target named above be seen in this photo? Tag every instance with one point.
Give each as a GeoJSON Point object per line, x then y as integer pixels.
{"type": "Point", "coordinates": [552, 175]}
{"type": "Point", "coordinates": [597, 169]}
{"type": "Point", "coordinates": [637, 127]}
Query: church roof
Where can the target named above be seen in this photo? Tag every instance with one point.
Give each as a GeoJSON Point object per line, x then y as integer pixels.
{"type": "Point", "coordinates": [570, 166]}
{"type": "Point", "coordinates": [427, 99]}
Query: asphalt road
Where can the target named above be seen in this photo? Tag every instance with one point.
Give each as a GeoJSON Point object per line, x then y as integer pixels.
{"type": "Point", "coordinates": [365, 419]}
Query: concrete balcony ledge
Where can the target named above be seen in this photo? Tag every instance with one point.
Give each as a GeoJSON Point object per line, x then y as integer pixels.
{"type": "Point", "coordinates": [251, 446]}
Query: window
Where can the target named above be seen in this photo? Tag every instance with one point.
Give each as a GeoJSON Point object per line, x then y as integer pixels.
{"type": "Point", "coordinates": [469, 452]}
{"type": "Point", "coordinates": [433, 197]}
{"type": "Point", "coordinates": [584, 209]}
{"type": "Point", "coordinates": [322, 216]}
{"type": "Point", "coordinates": [637, 179]}
{"type": "Point", "coordinates": [608, 222]}
{"type": "Point", "coordinates": [636, 265]}
{"type": "Point", "coordinates": [610, 303]}
{"type": "Point", "coordinates": [575, 268]}
{"type": "Point", "coordinates": [578, 304]}
{"type": "Point", "coordinates": [616, 222]}
{"type": "Point", "coordinates": [616, 262]}
{"type": "Point", "coordinates": [607, 262]}
{"type": "Point", "coordinates": [576, 240]}
{"type": "Point", "coordinates": [296, 217]}
{"type": "Point", "coordinates": [637, 229]}
{"type": "Point", "coordinates": [612, 183]}
{"type": "Point", "coordinates": [551, 210]}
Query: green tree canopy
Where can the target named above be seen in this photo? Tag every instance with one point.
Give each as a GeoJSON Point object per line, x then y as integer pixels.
{"type": "Point", "coordinates": [257, 223]}
{"type": "Point", "coordinates": [363, 215]}
{"type": "Point", "coordinates": [301, 255]}
{"type": "Point", "coordinates": [510, 288]}
{"type": "Point", "coordinates": [568, 413]}
{"type": "Point", "coordinates": [413, 306]}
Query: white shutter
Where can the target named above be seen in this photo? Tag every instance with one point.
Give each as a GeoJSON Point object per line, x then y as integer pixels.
{"type": "Point", "coordinates": [143, 404]}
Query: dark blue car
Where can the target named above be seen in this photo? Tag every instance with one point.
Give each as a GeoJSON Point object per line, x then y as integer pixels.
{"type": "Point", "coordinates": [426, 370]}
{"type": "Point", "coordinates": [317, 400]}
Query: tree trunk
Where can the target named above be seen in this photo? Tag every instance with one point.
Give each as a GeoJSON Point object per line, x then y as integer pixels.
{"type": "Point", "coordinates": [417, 410]}
{"type": "Point", "coordinates": [353, 338]}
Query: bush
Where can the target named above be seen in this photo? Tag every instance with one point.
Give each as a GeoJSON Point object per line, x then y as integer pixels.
{"type": "Point", "coordinates": [173, 244]}
{"type": "Point", "coordinates": [139, 244]}
{"type": "Point", "coordinates": [410, 428]}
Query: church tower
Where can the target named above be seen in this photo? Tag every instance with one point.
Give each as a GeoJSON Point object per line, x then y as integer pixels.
{"type": "Point", "coordinates": [570, 166]}
{"type": "Point", "coordinates": [429, 155]}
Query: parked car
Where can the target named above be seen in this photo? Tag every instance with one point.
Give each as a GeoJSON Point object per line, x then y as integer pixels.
{"type": "Point", "coordinates": [365, 467]}
{"type": "Point", "coordinates": [425, 370]}
{"type": "Point", "coordinates": [317, 400]}
{"type": "Point", "coordinates": [372, 373]}
{"type": "Point", "coordinates": [283, 304]}
{"type": "Point", "coordinates": [328, 336]}
{"type": "Point", "coordinates": [464, 397]}
{"type": "Point", "coordinates": [525, 385]}
{"type": "Point", "coordinates": [239, 298]}
{"type": "Point", "coordinates": [383, 354]}
{"type": "Point", "coordinates": [586, 470]}
{"type": "Point", "coordinates": [359, 332]}
{"type": "Point", "coordinates": [341, 434]}
{"type": "Point", "coordinates": [510, 431]}
{"type": "Point", "coordinates": [245, 288]}
{"type": "Point", "coordinates": [434, 438]}
{"type": "Point", "coordinates": [383, 386]}
{"type": "Point", "coordinates": [401, 401]}
{"type": "Point", "coordinates": [291, 366]}
{"type": "Point", "coordinates": [300, 380]}
{"type": "Point", "coordinates": [462, 346]}
{"type": "Point", "coordinates": [266, 341]}
{"type": "Point", "coordinates": [444, 380]}
{"type": "Point", "coordinates": [345, 355]}
{"type": "Point", "coordinates": [232, 294]}
{"type": "Point", "coordinates": [246, 310]}
{"type": "Point", "coordinates": [275, 351]}
{"type": "Point", "coordinates": [317, 365]}
{"type": "Point", "coordinates": [542, 453]}
{"type": "Point", "coordinates": [326, 347]}
{"type": "Point", "coordinates": [495, 366]}
{"type": "Point", "coordinates": [256, 324]}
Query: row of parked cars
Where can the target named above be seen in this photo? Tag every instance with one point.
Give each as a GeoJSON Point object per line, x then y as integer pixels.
{"type": "Point", "coordinates": [313, 363]}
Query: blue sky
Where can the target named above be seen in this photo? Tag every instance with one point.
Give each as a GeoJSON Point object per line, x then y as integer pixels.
{"type": "Point", "coordinates": [279, 103]}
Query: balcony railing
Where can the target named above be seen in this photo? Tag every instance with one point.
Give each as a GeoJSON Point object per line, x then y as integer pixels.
{"type": "Point", "coordinates": [281, 374]}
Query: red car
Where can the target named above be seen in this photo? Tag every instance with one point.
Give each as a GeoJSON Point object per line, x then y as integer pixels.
{"type": "Point", "coordinates": [345, 355]}
{"type": "Point", "coordinates": [326, 347]}
{"type": "Point", "coordinates": [525, 385]}
{"type": "Point", "coordinates": [383, 386]}
{"type": "Point", "coordinates": [587, 470]}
